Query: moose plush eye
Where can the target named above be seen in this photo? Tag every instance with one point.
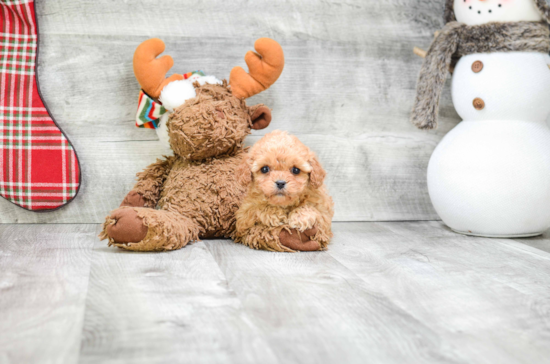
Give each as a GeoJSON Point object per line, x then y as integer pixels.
{"type": "Point", "coordinates": [295, 170]}
{"type": "Point", "coordinates": [265, 169]}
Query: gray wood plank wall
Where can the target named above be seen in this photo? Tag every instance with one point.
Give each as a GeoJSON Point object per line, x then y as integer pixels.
{"type": "Point", "coordinates": [346, 91]}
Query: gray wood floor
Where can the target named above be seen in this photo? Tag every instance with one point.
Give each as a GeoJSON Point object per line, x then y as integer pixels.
{"type": "Point", "coordinates": [393, 292]}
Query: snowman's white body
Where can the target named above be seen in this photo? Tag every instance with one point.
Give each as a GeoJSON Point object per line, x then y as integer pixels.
{"type": "Point", "coordinates": [490, 175]}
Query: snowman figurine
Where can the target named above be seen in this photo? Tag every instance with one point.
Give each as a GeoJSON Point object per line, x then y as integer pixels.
{"type": "Point", "coordinates": [490, 175]}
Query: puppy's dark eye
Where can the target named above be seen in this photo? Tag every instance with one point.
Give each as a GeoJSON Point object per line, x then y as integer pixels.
{"type": "Point", "coordinates": [265, 169]}
{"type": "Point", "coordinates": [295, 170]}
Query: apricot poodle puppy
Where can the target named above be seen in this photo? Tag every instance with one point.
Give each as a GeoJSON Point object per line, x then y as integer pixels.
{"type": "Point", "coordinates": [287, 207]}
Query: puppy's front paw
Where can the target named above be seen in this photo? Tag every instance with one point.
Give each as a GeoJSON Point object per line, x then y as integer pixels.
{"type": "Point", "coordinates": [302, 221]}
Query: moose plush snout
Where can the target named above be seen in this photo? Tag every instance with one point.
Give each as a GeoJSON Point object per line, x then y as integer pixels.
{"type": "Point", "coordinates": [214, 122]}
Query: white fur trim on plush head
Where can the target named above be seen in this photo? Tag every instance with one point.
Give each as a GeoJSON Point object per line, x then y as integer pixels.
{"type": "Point", "coordinates": [176, 93]}
{"type": "Point", "coordinates": [162, 130]}
{"type": "Point", "coordinates": [206, 79]}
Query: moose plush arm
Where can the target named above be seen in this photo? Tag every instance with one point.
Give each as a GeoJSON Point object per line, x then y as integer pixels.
{"type": "Point", "coordinates": [146, 192]}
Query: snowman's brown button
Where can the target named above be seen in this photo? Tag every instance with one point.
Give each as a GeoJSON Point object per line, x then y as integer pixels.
{"type": "Point", "coordinates": [477, 66]}
{"type": "Point", "coordinates": [479, 104]}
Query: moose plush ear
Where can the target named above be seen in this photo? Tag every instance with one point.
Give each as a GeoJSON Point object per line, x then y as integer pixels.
{"type": "Point", "coordinates": [243, 173]}
{"type": "Point", "coordinates": [260, 116]}
{"type": "Point", "coordinates": [317, 174]}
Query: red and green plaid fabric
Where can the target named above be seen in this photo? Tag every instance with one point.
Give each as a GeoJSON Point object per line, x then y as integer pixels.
{"type": "Point", "coordinates": [39, 169]}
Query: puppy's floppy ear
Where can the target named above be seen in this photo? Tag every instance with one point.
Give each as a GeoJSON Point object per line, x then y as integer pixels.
{"type": "Point", "coordinates": [317, 174]}
{"type": "Point", "coordinates": [243, 173]}
{"type": "Point", "coordinates": [260, 116]}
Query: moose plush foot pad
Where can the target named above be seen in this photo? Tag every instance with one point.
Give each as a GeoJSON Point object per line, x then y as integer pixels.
{"type": "Point", "coordinates": [295, 240]}
{"type": "Point", "coordinates": [39, 169]}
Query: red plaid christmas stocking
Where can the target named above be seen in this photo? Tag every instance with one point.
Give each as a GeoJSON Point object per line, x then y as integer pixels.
{"type": "Point", "coordinates": [39, 169]}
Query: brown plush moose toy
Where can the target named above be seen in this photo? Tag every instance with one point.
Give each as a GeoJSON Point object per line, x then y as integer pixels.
{"type": "Point", "coordinates": [193, 194]}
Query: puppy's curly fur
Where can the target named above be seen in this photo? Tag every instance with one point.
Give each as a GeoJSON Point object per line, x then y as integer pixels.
{"type": "Point", "coordinates": [295, 217]}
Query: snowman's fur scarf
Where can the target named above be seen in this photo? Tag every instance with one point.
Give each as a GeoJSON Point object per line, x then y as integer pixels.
{"type": "Point", "coordinates": [456, 40]}
{"type": "Point", "coordinates": [544, 8]}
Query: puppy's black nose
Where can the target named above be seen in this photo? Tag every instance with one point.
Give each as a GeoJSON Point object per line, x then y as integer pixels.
{"type": "Point", "coordinates": [280, 184]}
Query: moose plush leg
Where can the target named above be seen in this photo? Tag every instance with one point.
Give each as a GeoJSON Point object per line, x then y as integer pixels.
{"type": "Point", "coordinates": [300, 241]}
{"type": "Point", "coordinates": [146, 229]}
{"type": "Point", "coordinates": [262, 237]}
{"type": "Point", "coordinates": [282, 238]}
{"type": "Point", "coordinates": [310, 230]}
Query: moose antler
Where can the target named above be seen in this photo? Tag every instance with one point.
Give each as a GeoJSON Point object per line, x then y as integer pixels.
{"type": "Point", "coordinates": [151, 71]}
{"type": "Point", "coordinates": [265, 67]}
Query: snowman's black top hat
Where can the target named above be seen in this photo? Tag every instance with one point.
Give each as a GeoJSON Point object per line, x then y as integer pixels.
{"type": "Point", "coordinates": [542, 5]}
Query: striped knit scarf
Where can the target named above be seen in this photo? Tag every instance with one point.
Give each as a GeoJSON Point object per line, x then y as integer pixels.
{"type": "Point", "coordinates": [457, 40]}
